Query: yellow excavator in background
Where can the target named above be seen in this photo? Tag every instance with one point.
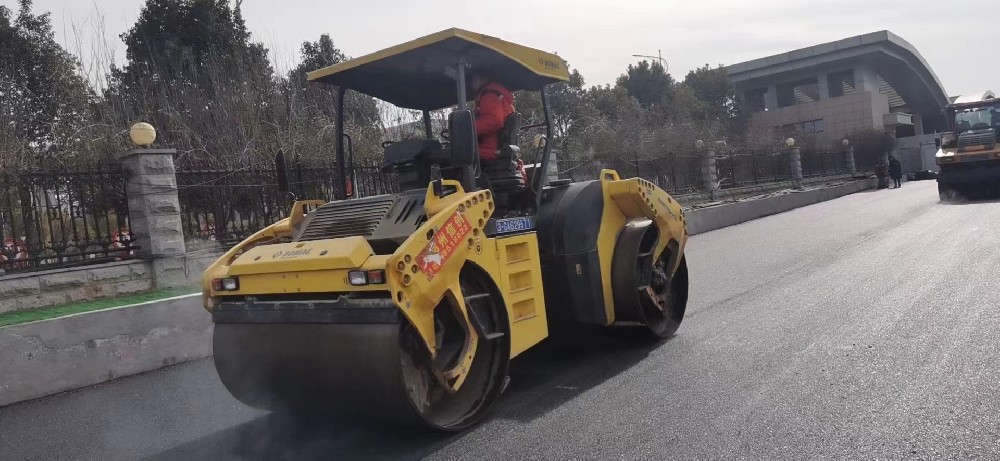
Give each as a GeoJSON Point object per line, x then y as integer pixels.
{"type": "Point", "coordinates": [408, 307]}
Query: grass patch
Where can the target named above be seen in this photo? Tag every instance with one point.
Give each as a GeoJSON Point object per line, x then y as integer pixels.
{"type": "Point", "coordinates": [45, 313]}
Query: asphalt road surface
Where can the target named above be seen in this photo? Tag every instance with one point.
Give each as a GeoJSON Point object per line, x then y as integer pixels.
{"type": "Point", "coordinates": [864, 327]}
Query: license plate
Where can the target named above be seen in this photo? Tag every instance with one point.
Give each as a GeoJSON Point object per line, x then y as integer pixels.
{"type": "Point", "coordinates": [511, 225]}
{"type": "Point", "coordinates": [972, 158]}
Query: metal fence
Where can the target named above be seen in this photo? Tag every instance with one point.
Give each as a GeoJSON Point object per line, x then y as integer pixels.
{"type": "Point", "coordinates": [676, 173]}
{"type": "Point", "coordinates": [228, 205]}
{"type": "Point", "coordinates": [682, 173]}
{"type": "Point", "coordinates": [741, 170]}
{"type": "Point", "coordinates": [58, 217]}
{"type": "Point", "coordinates": [824, 164]}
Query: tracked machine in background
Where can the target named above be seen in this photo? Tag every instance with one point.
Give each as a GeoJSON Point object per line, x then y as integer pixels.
{"type": "Point", "coordinates": [408, 307]}
{"type": "Point", "coordinates": [968, 155]}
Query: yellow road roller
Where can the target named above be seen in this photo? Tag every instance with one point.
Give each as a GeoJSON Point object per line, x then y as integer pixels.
{"type": "Point", "coordinates": [408, 307]}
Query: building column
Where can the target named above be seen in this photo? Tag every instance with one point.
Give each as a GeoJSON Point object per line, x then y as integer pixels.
{"type": "Point", "coordinates": [771, 98]}
{"type": "Point", "coordinates": [155, 214]}
{"type": "Point", "coordinates": [918, 124]}
{"type": "Point", "coordinates": [824, 86]}
{"type": "Point", "coordinates": [865, 78]}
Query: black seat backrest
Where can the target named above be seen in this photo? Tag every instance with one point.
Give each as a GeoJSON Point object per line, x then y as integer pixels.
{"type": "Point", "coordinates": [509, 134]}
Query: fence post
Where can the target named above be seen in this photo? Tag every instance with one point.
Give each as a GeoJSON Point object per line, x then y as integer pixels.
{"type": "Point", "coordinates": [553, 173]}
{"type": "Point", "coordinates": [849, 156]}
{"type": "Point", "coordinates": [155, 213]}
{"type": "Point", "coordinates": [795, 157]}
{"type": "Point", "coordinates": [709, 172]}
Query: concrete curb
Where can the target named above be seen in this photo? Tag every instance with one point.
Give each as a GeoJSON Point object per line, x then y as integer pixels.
{"type": "Point", "coordinates": [707, 219]}
{"type": "Point", "coordinates": [51, 356]}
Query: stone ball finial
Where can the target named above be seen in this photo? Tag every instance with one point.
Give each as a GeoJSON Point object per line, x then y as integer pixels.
{"type": "Point", "coordinates": [142, 134]}
{"type": "Point", "coordinates": [846, 142]}
{"type": "Point", "coordinates": [789, 142]}
{"type": "Point", "coordinates": [699, 144]}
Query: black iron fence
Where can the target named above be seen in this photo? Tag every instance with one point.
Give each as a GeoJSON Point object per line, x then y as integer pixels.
{"type": "Point", "coordinates": [741, 170]}
{"type": "Point", "coordinates": [824, 164]}
{"type": "Point", "coordinates": [228, 205]}
{"type": "Point", "coordinates": [59, 217]}
{"type": "Point", "coordinates": [676, 173]}
{"type": "Point", "coordinates": [683, 174]}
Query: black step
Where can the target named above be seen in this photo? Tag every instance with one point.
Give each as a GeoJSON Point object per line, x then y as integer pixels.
{"type": "Point", "coordinates": [477, 323]}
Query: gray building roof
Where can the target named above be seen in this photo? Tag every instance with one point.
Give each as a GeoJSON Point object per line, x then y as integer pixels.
{"type": "Point", "coordinates": [896, 60]}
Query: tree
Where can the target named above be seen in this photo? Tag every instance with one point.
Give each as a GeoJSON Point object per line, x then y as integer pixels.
{"type": "Point", "coordinates": [712, 87]}
{"type": "Point", "coordinates": [360, 109]}
{"type": "Point", "coordinates": [43, 99]}
{"type": "Point", "coordinates": [650, 84]}
{"type": "Point", "coordinates": [311, 107]}
{"type": "Point", "coordinates": [193, 71]}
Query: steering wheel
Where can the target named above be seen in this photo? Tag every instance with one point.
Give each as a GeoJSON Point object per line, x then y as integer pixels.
{"type": "Point", "coordinates": [386, 143]}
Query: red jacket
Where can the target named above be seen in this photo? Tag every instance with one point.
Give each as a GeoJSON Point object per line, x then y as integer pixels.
{"type": "Point", "coordinates": [493, 104]}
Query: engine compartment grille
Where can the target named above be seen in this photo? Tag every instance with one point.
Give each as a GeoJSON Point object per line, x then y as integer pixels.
{"type": "Point", "coordinates": [345, 218]}
{"type": "Point", "coordinates": [975, 139]}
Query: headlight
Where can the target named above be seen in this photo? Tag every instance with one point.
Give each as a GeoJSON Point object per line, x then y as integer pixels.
{"type": "Point", "coordinates": [357, 278]}
{"type": "Point", "coordinates": [948, 139]}
{"type": "Point", "coordinates": [373, 277]}
{"type": "Point", "coordinates": [226, 284]}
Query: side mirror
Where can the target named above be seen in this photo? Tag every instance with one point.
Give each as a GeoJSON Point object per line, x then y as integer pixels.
{"type": "Point", "coordinates": [937, 142]}
{"type": "Point", "coordinates": [462, 137]}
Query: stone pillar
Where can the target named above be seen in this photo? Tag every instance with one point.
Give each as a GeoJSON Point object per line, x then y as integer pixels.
{"type": "Point", "coordinates": [709, 171]}
{"type": "Point", "coordinates": [795, 156]}
{"type": "Point", "coordinates": [553, 173]}
{"type": "Point", "coordinates": [849, 157]}
{"type": "Point", "coordinates": [155, 214]}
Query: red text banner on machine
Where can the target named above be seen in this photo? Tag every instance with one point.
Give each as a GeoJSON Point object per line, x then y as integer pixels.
{"type": "Point", "coordinates": [444, 243]}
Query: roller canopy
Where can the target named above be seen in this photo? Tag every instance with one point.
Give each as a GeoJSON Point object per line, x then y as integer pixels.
{"type": "Point", "coordinates": [413, 75]}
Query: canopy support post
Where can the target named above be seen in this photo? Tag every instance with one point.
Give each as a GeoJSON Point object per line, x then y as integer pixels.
{"type": "Point", "coordinates": [341, 161]}
{"type": "Point", "coordinates": [542, 171]}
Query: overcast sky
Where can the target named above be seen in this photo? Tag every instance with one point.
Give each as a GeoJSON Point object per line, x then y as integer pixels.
{"type": "Point", "coordinates": [599, 37]}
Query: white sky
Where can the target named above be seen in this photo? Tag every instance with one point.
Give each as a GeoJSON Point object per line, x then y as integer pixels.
{"type": "Point", "coordinates": [599, 37]}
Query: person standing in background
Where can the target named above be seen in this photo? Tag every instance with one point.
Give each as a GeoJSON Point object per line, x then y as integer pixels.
{"type": "Point", "coordinates": [895, 172]}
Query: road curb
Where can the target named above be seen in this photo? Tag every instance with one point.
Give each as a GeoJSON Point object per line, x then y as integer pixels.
{"type": "Point", "coordinates": [46, 357]}
{"type": "Point", "coordinates": [711, 218]}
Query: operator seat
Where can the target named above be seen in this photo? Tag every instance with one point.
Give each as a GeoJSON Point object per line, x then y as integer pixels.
{"type": "Point", "coordinates": [502, 175]}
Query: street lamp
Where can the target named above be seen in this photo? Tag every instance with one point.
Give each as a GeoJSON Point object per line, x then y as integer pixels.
{"type": "Point", "coordinates": [658, 57]}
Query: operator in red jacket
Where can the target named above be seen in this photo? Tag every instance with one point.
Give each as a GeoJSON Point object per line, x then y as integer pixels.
{"type": "Point", "coordinates": [494, 104]}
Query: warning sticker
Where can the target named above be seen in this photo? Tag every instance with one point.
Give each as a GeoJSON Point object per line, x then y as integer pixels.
{"type": "Point", "coordinates": [444, 243]}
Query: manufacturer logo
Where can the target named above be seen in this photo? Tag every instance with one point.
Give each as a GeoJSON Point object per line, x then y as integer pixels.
{"type": "Point", "coordinates": [511, 225]}
{"type": "Point", "coordinates": [291, 253]}
{"type": "Point", "coordinates": [550, 64]}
